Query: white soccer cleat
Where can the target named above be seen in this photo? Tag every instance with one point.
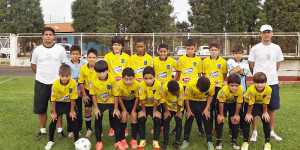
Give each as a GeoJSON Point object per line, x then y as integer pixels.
{"type": "Point", "coordinates": [49, 145]}
{"type": "Point", "coordinates": [276, 137]}
{"type": "Point", "coordinates": [253, 137]}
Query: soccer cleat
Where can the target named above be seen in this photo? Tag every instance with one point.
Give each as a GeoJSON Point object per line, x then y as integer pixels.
{"type": "Point", "coordinates": [245, 146]}
{"type": "Point", "coordinates": [111, 132]}
{"type": "Point", "coordinates": [152, 131]}
{"type": "Point", "coordinates": [124, 143]}
{"type": "Point", "coordinates": [126, 132]}
{"type": "Point", "coordinates": [120, 146]}
{"type": "Point", "coordinates": [234, 145]}
{"type": "Point", "coordinates": [267, 146]}
{"type": "Point", "coordinates": [71, 134]}
{"type": "Point", "coordinates": [99, 146]}
{"type": "Point", "coordinates": [253, 137]}
{"type": "Point", "coordinates": [165, 146]}
{"type": "Point", "coordinates": [39, 136]}
{"type": "Point", "coordinates": [210, 146]}
{"type": "Point", "coordinates": [219, 146]}
{"type": "Point", "coordinates": [61, 135]}
{"type": "Point", "coordinates": [173, 132]}
{"type": "Point", "coordinates": [184, 145]}
{"type": "Point", "coordinates": [176, 145]}
{"type": "Point", "coordinates": [133, 144]}
{"type": "Point", "coordinates": [201, 133]}
{"type": "Point", "coordinates": [88, 133]}
{"type": "Point", "coordinates": [276, 137]}
{"type": "Point", "coordinates": [49, 145]}
{"type": "Point", "coordinates": [155, 145]}
{"type": "Point", "coordinates": [142, 144]}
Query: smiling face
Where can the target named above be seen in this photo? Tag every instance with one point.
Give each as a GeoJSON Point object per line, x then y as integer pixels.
{"type": "Point", "coordinates": [163, 53]}
{"type": "Point", "coordinates": [149, 79]}
{"type": "Point", "coordinates": [117, 48]}
{"type": "Point", "coordinates": [266, 36]}
{"type": "Point", "coordinates": [260, 87]}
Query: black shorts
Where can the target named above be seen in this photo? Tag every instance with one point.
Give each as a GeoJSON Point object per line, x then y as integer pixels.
{"type": "Point", "coordinates": [103, 107]}
{"type": "Point", "coordinates": [129, 104]}
{"type": "Point", "coordinates": [275, 98]}
{"type": "Point", "coordinates": [63, 108]}
{"type": "Point", "coordinates": [228, 107]}
{"type": "Point", "coordinates": [149, 110]}
{"type": "Point", "coordinates": [90, 104]}
{"type": "Point", "coordinates": [197, 107]}
{"type": "Point", "coordinates": [215, 101]}
{"type": "Point", "coordinates": [42, 94]}
{"type": "Point", "coordinates": [256, 111]}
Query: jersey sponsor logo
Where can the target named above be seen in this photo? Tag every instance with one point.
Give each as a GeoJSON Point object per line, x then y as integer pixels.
{"type": "Point", "coordinates": [117, 69]}
{"type": "Point", "coordinates": [186, 80]}
{"type": "Point", "coordinates": [104, 95]}
{"type": "Point", "coordinates": [149, 100]}
{"type": "Point", "coordinates": [108, 87]}
{"type": "Point", "coordinates": [168, 67]}
{"type": "Point", "coordinates": [145, 62]}
{"type": "Point", "coordinates": [173, 103]}
{"type": "Point", "coordinates": [122, 61]}
{"type": "Point", "coordinates": [139, 70]}
{"type": "Point", "coordinates": [188, 71]}
{"type": "Point", "coordinates": [195, 63]}
{"type": "Point", "coordinates": [214, 74]}
{"type": "Point", "coordinates": [64, 98]}
{"type": "Point", "coordinates": [162, 75]}
{"type": "Point", "coordinates": [129, 97]}
{"type": "Point", "coordinates": [201, 99]}
{"type": "Point", "coordinates": [118, 78]}
{"type": "Point", "coordinates": [219, 66]}
{"type": "Point", "coordinates": [70, 90]}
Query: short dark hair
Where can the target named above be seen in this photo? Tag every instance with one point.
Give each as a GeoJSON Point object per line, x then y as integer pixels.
{"type": "Point", "coordinates": [128, 72]}
{"type": "Point", "coordinates": [233, 78]}
{"type": "Point", "coordinates": [48, 29]}
{"type": "Point", "coordinates": [117, 39]}
{"type": "Point", "coordinates": [173, 86]}
{"type": "Point", "coordinates": [140, 40]}
{"type": "Point", "coordinates": [189, 42]}
{"type": "Point", "coordinates": [214, 44]}
{"type": "Point", "coordinates": [75, 48]}
{"type": "Point", "coordinates": [203, 84]}
{"type": "Point", "coordinates": [237, 48]}
{"type": "Point", "coordinates": [163, 45]}
{"type": "Point", "coordinates": [260, 77]}
{"type": "Point", "coordinates": [92, 50]}
{"type": "Point", "coordinates": [64, 69]}
{"type": "Point", "coordinates": [101, 66]}
{"type": "Point", "coordinates": [149, 70]}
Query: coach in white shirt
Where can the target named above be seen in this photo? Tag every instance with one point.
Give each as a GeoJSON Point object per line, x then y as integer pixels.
{"type": "Point", "coordinates": [265, 57]}
{"type": "Point", "coordinates": [45, 62]}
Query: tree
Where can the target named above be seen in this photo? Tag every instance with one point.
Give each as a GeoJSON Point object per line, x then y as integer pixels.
{"type": "Point", "coordinates": [183, 26]}
{"type": "Point", "coordinates": [3, 16]}
{"type": "Point", "coordinates": [106, 21]}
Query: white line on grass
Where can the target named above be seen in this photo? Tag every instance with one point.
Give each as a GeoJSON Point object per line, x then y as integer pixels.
{"type": "Point", "coordinates": [7, 80]}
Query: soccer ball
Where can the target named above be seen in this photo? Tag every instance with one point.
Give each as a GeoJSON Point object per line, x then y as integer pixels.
{"type": "Point", "coordinates": [83, 144]}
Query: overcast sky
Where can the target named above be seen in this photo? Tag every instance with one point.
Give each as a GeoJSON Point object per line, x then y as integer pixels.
{"type": "Point", "coordinates": [60, 10]}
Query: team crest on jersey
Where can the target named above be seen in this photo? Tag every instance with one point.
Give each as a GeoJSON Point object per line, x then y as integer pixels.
{"type": "Point", "coordinates": [132, 91]}
{"type": "Point", "coordinates": [168, 67]}
{"type": "Point", "coordinates": [122, 61]}
{"type": "Point", "coordinates": [264, 96]}
{"type": "Point", "coordinates": [235, 97]}
{"type": "Point", "coordinates": [154, 91]}
{"type": "Point", "coordinates": [108, 87]}
{"type": "Point", "coordinates": [219, 66]}
{"type": "Point", "coordinates": [206, 93]}
{"type": "Point", "coordinates": [70, 90]}
{"type": "Point", "coordinates": [145, 62]}
{"type": "Point", "coordinates": [194, 63]}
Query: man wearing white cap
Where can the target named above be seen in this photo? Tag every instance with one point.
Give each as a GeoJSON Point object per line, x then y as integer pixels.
{"type": "Point", "coordinates": [265, 57]}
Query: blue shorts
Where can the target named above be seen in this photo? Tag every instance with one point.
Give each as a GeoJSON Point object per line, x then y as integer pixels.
{"type": "Point", "coordinates": [275, 98]}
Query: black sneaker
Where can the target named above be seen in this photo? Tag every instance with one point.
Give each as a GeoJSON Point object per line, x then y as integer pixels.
{"type": "Point", "coordinates": [201, 133]}
{"type": "Point", "coordinates": [39, 136]}
{"type": "Point", "coordinates": [165, 146]}
{"type": "Point", "coordinates": [173, 132]}
{"type": "Point", "coordinates": [61, 135]}
{"type": "Point", "coordinates": [176, 145]}
{"type": "Point", "coordinates": [234, 145]}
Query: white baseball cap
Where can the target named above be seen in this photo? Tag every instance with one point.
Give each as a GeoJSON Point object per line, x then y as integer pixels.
{"type": "Point", "coordinates": [265, 27]}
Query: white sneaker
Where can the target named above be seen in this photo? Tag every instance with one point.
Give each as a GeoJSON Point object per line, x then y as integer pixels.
{"type": "Point", "coordinates": [253, 137]}
{"type": "Point", "coordinates": [245, 146]}
{"type": "Point", "coordinates": [219, 146]}
{"type": "Point", "coordinates": [276, 137]}
{"type": "Point", "coordinates": [267, 146]}
{"type": "Point", "coordinates": [49, 145]}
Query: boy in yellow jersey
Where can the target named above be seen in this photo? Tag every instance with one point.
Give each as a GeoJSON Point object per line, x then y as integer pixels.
{"type": "Point", "coordinates": [215, 68]}
{"type": "Point", "coordinates": [172, 94]}
{"type": "Point", "coordinates": [230, 99]}
{"type": "Point", "coordinates": [190, 67]}
{"type": "Point", "coordinates": [84, 81]}
{"type": "Point", "coordinates": [163, 66]}
{"type": "Point", "coordinates": [197, 98]}
{"type": "Point", "coordinates": [149, 97]}
{"type": "Point", "coordinates": [105, 92]}
{"type": "Point", "coordinates": [140, 60]}
{"type": "Point", "coordinates": [257, 98]}
{"type": "Point", "coordinates": [128, 103]}
{"type": "Point", "coordinates": [63, 95]}
{"type": "Point", "coordinates": [117, 61]}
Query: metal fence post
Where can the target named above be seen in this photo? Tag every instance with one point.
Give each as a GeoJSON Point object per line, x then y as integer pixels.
{"type": "Point", "coordinates": [153, 45]}
{"type": "Point", "coordinates": [81, 42]}
{"type": "Point", "coordinates": [13, 49]}
{"type": "Point", "coordinates": [225, 50]}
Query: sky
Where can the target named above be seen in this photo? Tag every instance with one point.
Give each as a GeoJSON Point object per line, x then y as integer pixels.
{"type": "Point", "coordinates": [60, 10]}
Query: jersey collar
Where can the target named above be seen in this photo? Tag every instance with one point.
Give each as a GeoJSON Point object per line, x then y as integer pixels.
{"type": "Point", "coordinates": [48, 47]}
{"type": "Point", "coordinates": [188, 56]}
{"type": "Point", "coordinates": [216, 59]}
{"type": "Point", "coordinates": [78, 61]}
{"type": "Point", "coordinates": [162, 60]}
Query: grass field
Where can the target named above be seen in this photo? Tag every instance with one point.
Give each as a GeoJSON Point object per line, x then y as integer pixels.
{"type": "Point", "coordinates": [19, 126]}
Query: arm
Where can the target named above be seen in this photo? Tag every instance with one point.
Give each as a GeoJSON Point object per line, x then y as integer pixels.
{"type": "Point", "coordinates": [84, 96]}
{"type": "Point", "coordinates": [224, 76]}
{"type": "Point", "coordinates": [188, 109]}
{"type": "Point", "coordinates": [251, 65]}
{"type": "Point", "coordinates": [33, 67]}
{"type": "Point", "coordinates": [96, 109]}
{"type": "Point", "coordinates": [221, 118]}
{"type": "Point", "coordinates": [265, 114]}
{"type": "Point", "coordinates": [116, 107]}
{"type": "Point", "coordinates": [72, 111]}
{"type": "Point", "coordinates": [249, 117]}
{"type": "Point", "coordinates": [167, 112]}
{"type": "Point", "coordinates": [155, 112]}
{"type": "Point", "coordinates": [277, 65]}
{"type": "Point", "coordinates": [236, 118]}
{"type": "Point", "coordinates": [177, 75]}
{"type": "Point", "coordinates": [53, 111]}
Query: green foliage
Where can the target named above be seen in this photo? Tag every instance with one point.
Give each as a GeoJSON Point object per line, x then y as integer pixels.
{"type": "Point", "coordinates": [183, 26]}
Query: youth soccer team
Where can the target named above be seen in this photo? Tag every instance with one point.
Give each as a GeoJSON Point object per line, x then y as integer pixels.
{"type": "Point", "coordinates": [139, 86]}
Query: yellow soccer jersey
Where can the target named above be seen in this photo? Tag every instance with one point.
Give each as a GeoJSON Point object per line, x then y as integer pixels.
{"type": "Point", "coordinates": [225, 96]}
{"type": "Point", "coordinates": [164, 69]}
{"type": "Point", "coordinates": [190, 68]}
{"type": "Point", "coordinates": [116, 64]}
{"type": "Point", "coordinates": [214, 70]}
{"type": "Point", "coordinates": [128, 92]}
{"type": "Point", "coordinates": [65, 93]}
{"type": "Point", "coordinates": [150, 93]}
{"type": "Point", "coordinates": [85, 76]}
{"type": "Point", "coordinates": [138, 64]}
{"type": "Point", "coordinates": [192, 92]}
{"type": "Point", "coordinates": [173, 101]}
{"type": "Point", "coordinates": [253, 97]}
{"type": "Point", "coordinates": [105, 91]}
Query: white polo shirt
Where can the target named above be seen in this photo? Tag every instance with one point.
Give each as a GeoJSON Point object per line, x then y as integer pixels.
{"type": "Point", "coordinates": [265, 58]}
{"type": "Point", "coordinates": [47, 61]}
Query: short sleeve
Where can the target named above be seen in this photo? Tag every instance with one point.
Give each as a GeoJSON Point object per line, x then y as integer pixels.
{"type": "Point", "coordinates": [211, 90]}
{"type": "Point", "coordinates": [92, 91]}
{"type": "Point", "coordinates": [267, 99]}
{"type": "Point", "coordinates": [181, 99]}
{"type": "Point", "coordinates": [203, 66]}
{"type": "Point", "coordinates": [230, 65]}
{"type": "Point", "coordinates": [142, 94]}
{"type": "Point", "coordinates": [63, 57]}
{"type": "Point", "coordinates": [53, 96]}
{"type": "Point", "coordinates": [221, 96]}
{"type": "Point", "coordinates": [81, 75]}
{"type": "Point", "coordinates": [74, 93]}
{"type": "Point", "coordinates": [240, 98]}
{"type": "Point", "coordinates": [251, 55]}
{"type": "Point", "coordinates": [199, 66]}
{"type": "Point", "coordinates": [279, 55]}
{"type": "Point", "coordinates": [175, 65]}
{"type": "Point", "coordinates": [188, 92]}
{"type": "Point", "coordinates": [180, 64]}
{"type": "Point", "coordinates": [115, 88]}
{"type": "Point", "coordinates": [224, 68]}
{"type": "Point", "coordinates": [33, 57]}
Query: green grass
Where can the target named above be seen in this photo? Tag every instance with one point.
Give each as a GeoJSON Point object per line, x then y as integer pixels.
{"type": "Point", "coordinates": [19, 125]}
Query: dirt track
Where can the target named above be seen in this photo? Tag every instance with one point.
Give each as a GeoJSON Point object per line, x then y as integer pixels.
{"type": "Point", "coordinates": [15, 71]}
